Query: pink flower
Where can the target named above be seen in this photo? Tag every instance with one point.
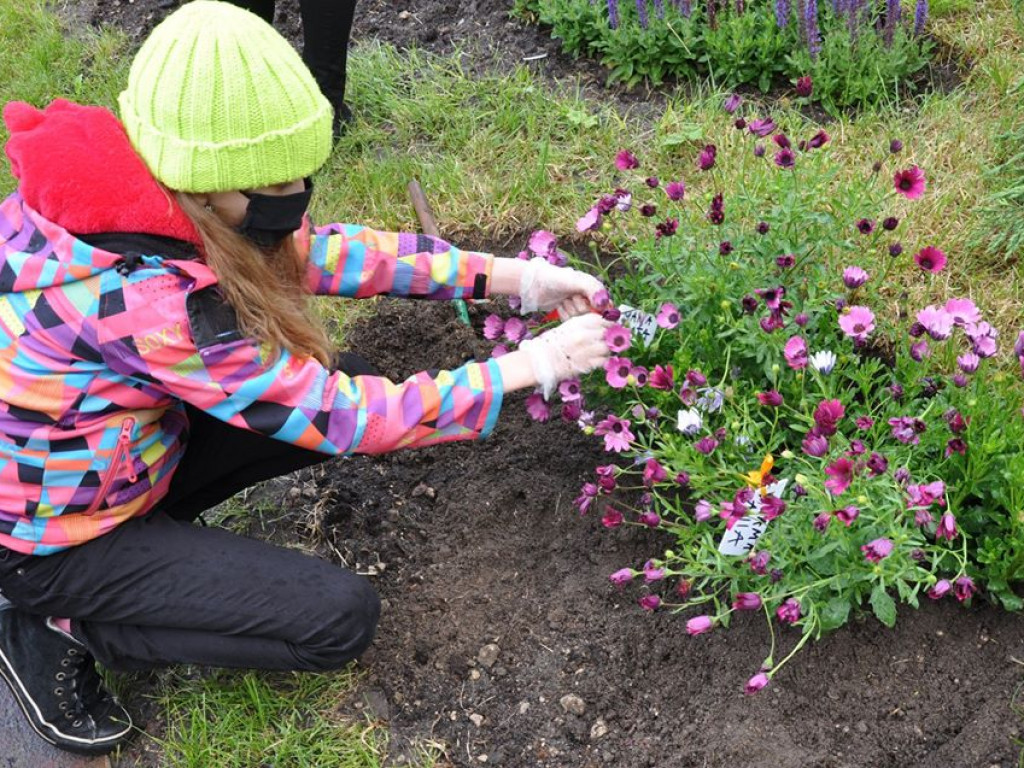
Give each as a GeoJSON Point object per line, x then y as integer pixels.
{"type": "Point", "coordinates": [930, 259]}
{"type": "Point", "coordinates": [759, 562]}
{"type": "Point", "coordinates": [771, 398]}
{"type": "Point", "coordinates": [755, 684]}
{"type": "Point", "coordinates": [654, 472]}
{"type": "Point", "coordinates": [877, 550]}
{"type": "Point", "coordinates": [789, 611]}
{"type": "Point", "coordinates": [543, 243]}
{"type": "Point", "coordinates": [698, 625]}
{"type": "Point", "coordinates": [650, 519]}
{"type": "Point", "coordinates": [864, 423]}
{"type": "Point", "coordinates": [493, 327]}
{"type": "Point", "coordinates": [857, 322]}
{"type": "Point", "coordinates": [940, 590]}
{"type": "Point", "coordinates": [538, 408]}
{"type": "Point", "coordinates": [848, 514]}
{"type": "Point", "coordinates": [703, 511]}
{"type": "Point", "coordinates": [622, 576]}
{"type": "Point", "coordinates": [762, 127]}
{"type": "Point", "coordinates": [947, 527]}
{"type": "Point", "coordinates": [617, 370]}
{"type": "Point", "coordinates": [706, 445]}
{"type": "Point", "coordinates": [650, 602]}
{"type": "Point", "coordinates": [926, 495]}
{"type": "Point", "coordinates": [854, 277]}
{"type": "Point", "coordinates": [675, 190]}
{"type": "Point", "coordinates": [795, 353]}
{"type": "Point", "coordinates": [910, 182]}
{"type": "Point", "coordinates": [612, 518]}
{"type": "Point", "coordinates": [827, 416]}
{"type": "Point", "coordinates": [963, 311]}
{"type": "Point", "coordinates": [746, 601]}
{"type": "Point", "coordinates": [601, 299]}
{"type": "Point", "coordinates": [815, 445]}
{"type": "Point", "coordinates": [587, 495]}
{"type": "Point", "coordinates": [668, 315]}
{"type": "Point", "coordinates": [906, 429]}
{"type": "Point", "coordinates": [589, 221]}
{"type": "Point", "coordinates": [661, 378]}
{"type": "Point", "coordinates": [821, 521]}
{"type": "Point", "coordinates": [515, 330]}
{"type": "Point", "coordinates": [964, 588]}
{"type": "Point", "coordinates": [772, 507]}
{"type": "Point", "coordinates": [626, 160]}
{"type": "Point", "coordinates": [840, 475]}
{"type": "Point", "coordinates": [619, 338]}
{"type": "Point", "coordinates": [615, 431]}
{"type": "Point", "coordinates": [936, 321]}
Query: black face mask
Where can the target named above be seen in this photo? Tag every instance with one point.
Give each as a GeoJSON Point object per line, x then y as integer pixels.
{"type": "Point", "coordinates": [269, 219]}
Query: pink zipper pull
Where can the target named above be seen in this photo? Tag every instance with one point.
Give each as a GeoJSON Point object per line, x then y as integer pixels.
{"type": "Point", "coordinates": [125, 438]}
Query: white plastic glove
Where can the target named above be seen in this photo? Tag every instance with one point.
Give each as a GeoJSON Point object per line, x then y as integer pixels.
{"type": "Point", "coordinates": [573, 348]}
{"type": "Point", "coordinates": [544, 287]}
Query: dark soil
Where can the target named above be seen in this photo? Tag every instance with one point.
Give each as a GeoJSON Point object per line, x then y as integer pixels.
{"type": "Point", "coordinates": [497, 601]}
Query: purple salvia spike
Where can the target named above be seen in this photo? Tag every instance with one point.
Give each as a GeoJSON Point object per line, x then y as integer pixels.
{"type": "Point", "coordinates": [739, 6]}
{"type": "Point", "coordinates": [613, 14]}
{"type": "Point", "coordinates": [713, 14]}
{"type": "Point", "coordinates": [893, 11]}
{"type": "Point", "coordinates": [811, 28]}
{"type": "Point", "coordinates": [686, 7]}
{"type": "Point", "coordinates": [641, 12]}
{"type": "Point", "coordinates": [781, 13]}
{"type": "Point", "coordinates": [920, 16]}
{"type": "Point", "coordinates": [659, 8]}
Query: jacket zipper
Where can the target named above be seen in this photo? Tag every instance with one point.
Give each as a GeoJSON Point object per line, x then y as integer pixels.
{"type": "Point", "coordinates": [124, 439]}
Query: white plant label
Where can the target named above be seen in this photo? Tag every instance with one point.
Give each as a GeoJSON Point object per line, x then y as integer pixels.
{"type": "Point", "coordinates": [742, 537]}
{"type": "Point", "coordinates": [639, 322]}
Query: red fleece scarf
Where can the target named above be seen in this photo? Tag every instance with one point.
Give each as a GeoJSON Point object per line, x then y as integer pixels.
{"type": "Point", "coordinates": [76, 166]}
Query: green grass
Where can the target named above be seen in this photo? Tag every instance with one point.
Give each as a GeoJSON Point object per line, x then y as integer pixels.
{"type": "Point", "coordinates": [501, 154]}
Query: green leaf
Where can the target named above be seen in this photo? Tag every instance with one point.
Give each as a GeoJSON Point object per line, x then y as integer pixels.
{"type": "Point", "coordinates": [835, 613]}
{"type": "Point", "coordinates": [883, 606]}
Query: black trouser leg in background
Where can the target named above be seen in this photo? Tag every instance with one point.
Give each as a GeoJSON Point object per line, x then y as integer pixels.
{"type": "Point", "coordinates": [160, 590]}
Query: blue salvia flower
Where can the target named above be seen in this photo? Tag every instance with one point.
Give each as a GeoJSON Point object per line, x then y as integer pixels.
{"type": "Point", "coordinates": [739, 6]}
{"type": "Point", "coordinates": [613, 14]}
{"type": "Point", "coordinates": [781, 13]}
{"type": "Point", "coordinates": [893, 11]}
{"type": "Point", "coordinates": [685, 7]}
{"type": "Point", "coordinates": [659, 8]}
{"type": "Point", "coordinates": [920, 16]}
{"type": "Point", "coordinates": [811, 27]}
{"type": "Point", "coordinates": [641, 12]}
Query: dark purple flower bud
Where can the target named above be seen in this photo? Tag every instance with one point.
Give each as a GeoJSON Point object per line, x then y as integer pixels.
{"type": "Point", "coordinates": [776, 575]}
{"type": "Point", "coordinates": [759, 150]}
{"type": "Point", "coordinates": [785, 261]}
{"type": "Point", "coordinates": [725, 248]}
{"type": "Point", "coordinates": [804, 86]}
{"type": "Point", "coordinates": [647, 210]}
{"type": "Point", "coordinates": [759, 562]}
{"type": "Point", "coordinates": [902, 475]}
{"type": "Point", "coordinates": [959, 380]}
{"type": "Point", "coordinates": [964, 588]}
{"type": "Point", "coordinates": [895, 249]}
{"type": "Point", "coordinates": [782, 141]}
{"type": "Point", "coordinates": [740, 123]}
{"type": "Point", "coordinates": [876, 166]}
{"type": "Point", "coordinates": [749, 304]}
{"type": "Point", "coordinates": [652, 182]}
{"type": "Point", "coordinates": [675, 190]}
{"type": "Point", "coordinates": [612, 313]}
{"type": "Point", "coordinates": [895, 146]}
{"type": "Point", "coordinates": [706, 159]}
{"type": "Point", "coordinates": [607, 204]}
{"type": "Point", "coordinates": [763, 127]}
{"type": "Point", "coordinates": [801, 320]}
{"type": "Point", "coordinates": [866, 226]}
{"type": "Point", "coordinates": [840, 304]}
{"type": "Point", "coordinates": [682, 478]}
{"type": "Point", "coordinates": [917, 555]}
{"type": "Point", "coordinates": [763, 227]}
{"type": "Point", "coordinates": [896, 390]}
{"type": "Point", "coordinates": [821, 521]}
{"type": "Point", "coordinates": [917, 330]}
{"type": "Point", "coordinates": [818, 140]}
{"type": "Point", "coordinates": [667, 228]}
{"type": "Point", "coordinates": [877, 464]}
{"type": "Point", "coordinates": [799, 490]}
{"type": "Point", "coordinates": [890, 223]}
{"type": "Point", "coordinates": [650, 519]}
{"type": "Point", "coordinates": [1018, 345]}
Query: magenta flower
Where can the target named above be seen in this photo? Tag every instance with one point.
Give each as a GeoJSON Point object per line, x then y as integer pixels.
{"type": "Point", "coordinates": [785, 261]}
{"type": "Point", "coordinates": [785, 158]}
{"type": "Point", "coordinates": [706, 159]}
{"type": "Point", "coordinates": [936, 321]}
{"type": "Point", "coordinates": [772, 507]}
{"type": "Point", "coordinates": [616, 371]}
{"type": "Point", "coordinates": [543, 243]}
{"type": "Point", "coordinates": [857, 322]}
{"type": "Point", "coordinates": [586, 498]}
{"type": "Point", "coordinates": [626, 160]}
{"type": "Point", "coordinates": [821, 521]}
{"type": "Point", "coordinates": [818, 140]}
{"type": "Point", "coordinates": [706, 445]}
{"type": "Point", "coordinates": [854, 277]}
{"type": "Point", "coordinates": [815, 445]}
{"type": "Point", "coordinates": [746, 601]}
{"type": "Point", "coordinates": [650, 602]}
{"type": "Point", "coordinates": [762, 127]}
{"type": "Point", "coordinates": [698, 625]}
{"type": "Point", "coordinates": [877, 464]}
{"type": "Point", "coordinates": [964, 588]}
{"type": "Point", "coordinates": [941, 589]}
{"type": "Point", "coordinates": [622, 576]}
{"type": "Point", "coordinates": [755, 684]}
{"type": "Point", "coordinates": [947, 527]}
{"type": "Point", "coordinates": [919, 351]}
{"type": "Point", "coordinates": [771, 398]}
{"type": "Point", "coordinates": [930, 259]}
{"type": "Point", "coordinates": [864, 423]}
{"type": "Point", "coordinates": [910, 182]}
{"type": "Point", "coordinates": [615, 431]}
{"type": "Point", "coordinates": [759, 562]}
{"type": "Point", "coordinates": [652, 572]}
{"type": "Point", "coordinates": [662, 378]}
{"type": "Point", "coordinates": [732, 103]}
{"type": "Point", "coordinates": [840, 475]}
{"type": "Point", "coordinates": [877, 550]}
{"type": "Point", "coordinates": [515, 330]}
{"type": "Point", "coordinates": [848, 514]}
{"type": "Point", "coordinates": [926, 495]}
{"type": "Point", "coordinates": [668, 315]}
{"type": "Point", "coordinates": [538, 408]}
{"type": "Point", "coordinates": [804, 86]}
{"type": "Point", "coordinates": [675, 190]}
{"type": "Point", "coordinates": [795, 353]}
{"type": "Point", "coordinates": [612, 518]}
{"type": "Point", "coordinates": [650, 519]}
{"type": "Point", "coordinates": [827, 415]}
{"type": "Point", "coordinates": [589, 221]}
{"type": "Point", "coordinates": [654, 472]}
{"type": "Point", "coordinates": [906, 429]}
{"type": "Point", "coordinates": [865, 226]}
{"type": "Point", "coordinates": [789, 611]}
{"type": "Point", "coordinates": [493, 327]}
{"type": "Point", "coordinates": [618, 338]}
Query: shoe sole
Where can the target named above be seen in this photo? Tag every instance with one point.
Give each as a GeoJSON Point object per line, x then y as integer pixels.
{"type": "Point", "coordinates": [89, 747]}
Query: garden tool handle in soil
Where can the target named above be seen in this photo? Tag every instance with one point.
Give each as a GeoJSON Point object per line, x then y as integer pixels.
{"type": "Point", "coordinates": [573, 348]}
{"type": "Point", "coordinates": [544, 287]}
{"type": "Point", "coordinates": [429, 227]}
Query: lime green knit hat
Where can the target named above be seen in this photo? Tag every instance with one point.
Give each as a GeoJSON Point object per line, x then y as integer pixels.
{"type": "Point", "coordinates": [217, 100]}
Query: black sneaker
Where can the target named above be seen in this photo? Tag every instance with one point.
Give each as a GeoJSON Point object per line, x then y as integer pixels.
{"type": "Point", "coordinates": [54, 679]}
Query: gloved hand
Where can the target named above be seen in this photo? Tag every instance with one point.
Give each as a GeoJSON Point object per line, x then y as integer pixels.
{"type": "Point", "coordinates": [544, 287]}
{"type": "Point", "coordinates": [573, 348]}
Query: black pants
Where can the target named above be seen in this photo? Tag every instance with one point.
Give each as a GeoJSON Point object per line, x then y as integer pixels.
{"type": "Point", "coordinates": [161, 589]}
{"type": "Point", "coordinates": [326, 26]}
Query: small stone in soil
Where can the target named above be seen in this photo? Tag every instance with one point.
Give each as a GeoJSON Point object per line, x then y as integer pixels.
{"type": "Point", "coordinates": [487, 655]}
{"type": "Point", "coordinates": [476, 719]}
{"type": "Point", "coordinates": [598, 729]}
{"type": "Point", "coordinates": [573, 704]}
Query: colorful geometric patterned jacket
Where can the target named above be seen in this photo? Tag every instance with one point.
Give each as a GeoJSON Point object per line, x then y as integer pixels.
{"type": "Point", "coordinates": [100, 350]}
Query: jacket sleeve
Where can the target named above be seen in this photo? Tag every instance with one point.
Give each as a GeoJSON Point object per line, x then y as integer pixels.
{"type": "Point", "coordinates": [202, 361]}
{"type": "Point", "coordinates": [357, 262]}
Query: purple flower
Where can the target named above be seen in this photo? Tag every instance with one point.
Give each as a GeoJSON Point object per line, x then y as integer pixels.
{"type": "Point", "coordinates": [666, 228]}
{"type": "Point", "coordinates": [668, 315]}
{"type": "Point", "coordinates": [785, 158]}
{"type": "Point", "coordinates": [706, 445]}
{"type": "Point", "coordinates": [889, 223]}
{"type": "Point", "coordinates": [1018, 346]}
{"type": "Point", "coordinates": [857, 322]}
{"type": "Point", "coordinates": [641, 11]}
{"type": "Point", "coordinates": [786, 260]}
{"type": "Point", "coordinates": [493, 327]}
{"type": "Point", "coordinates": [815, 445]}
{"type": "Point", "coordinates": [612, 518]}
{"type": "Point", "coordinates": [650, 602]}
{"type": "Point", "coordinates": [653, 182]}
{"type": "Point", "coordinates": [538, 408]}
{"type": "Point", "coordinates": [618, 338]}
{"type": "Point", "coordinates": [617, 371]}
{"type": "Point", "coordinates": [936, 321]}
{"type": "Point", "coordinates": [716, 213]}
{"type": "Point", "coordinates": [941, 589]}
{"type": "Point", "coordinates": [920, 16]}
{"type": "Point", "coordinates": [732, 103]}
{"type": "Point", "coordinates": [759, 562]}
{"type": "Point", "coordinates": [827, 415]}
{"type": "Point", "coordinates": [781, 13]}
{"type": "Point", "coordinates": [821, 521]}
{"type": "Point", "coordinates": [811, 28]}
{"type": "Point", "coordinates": [703, 511]}
{"type": "Point", "coordinates": [968, 362]}
{"type": "Point", "coordinates": [623, 200]}
{"type": "Point", "coordinates": [591, 220]}
{"type": "Point", "coordinates": [771, 398]}
{"type": "Point", "coordinates": [615, 431]}
{"type": "Point", "coordinates": [877, 550]}
{"type": "Point", "coordinates": [650, 519]}
{"type": "Point", "coordinates": [755, 684]}
{"type": "Point", "coordinates": [930, 259]}
{"type": "Point", "coordinates": [587, 495]}
{"type": "Point", "coordinates": [877, 464]}
{"type": "Point", "coordinates": [818, 140]}
{"type": "Point", "coordinates": [854, 277]}
{"type": "Point", "coordinates": [706, 159]}
{"type": "Point", "coordinates": [698, 625]}
{"type": "Point", "coordinates": [626, 160]}
{"type": "Point", "coordinates": [652, 572]}
{"type": "Point", "coordinates": [964, 588]}
{"type": "Point", "coordinates": [675, 190]}
{"type": "Point", "coordinates": [848, 514]}
{"type": "Point", "coordinates": [895, 146]}
{"type": "Point", "coordinates": [906, 429]}
{"type": "Point", "coordinates": [840, 475]}
{"type": "Point", "coordinates": [772, 507]}
{"type": "Point", "coordinates": [919, 351]}
{"type": "Point", "coordinates": [746, 601]}
{"type": "Point", "coordinates": [864, 423]}
{"type": "Point", "coordinates": [947, 527]}
{"type": "Point", "coordinates": [759, 150]}
{"type": "Point", "coordinates": [983, 337]}
{"type": "Point", "coordinates": [622, 576]}
{"type": "Point", "coordinates": [762, 127]}
{"type": "Point", "coordinates": [789, 611]}
{"type": "Point", "coordinates": [866, 226]}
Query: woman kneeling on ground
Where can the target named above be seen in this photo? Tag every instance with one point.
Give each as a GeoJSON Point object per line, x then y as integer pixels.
{"type": "Point", "coordinates": [158, 354]}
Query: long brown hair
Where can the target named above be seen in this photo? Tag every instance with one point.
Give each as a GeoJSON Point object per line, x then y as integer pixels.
{"type": "Point", "coordinates": [265, 287]}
